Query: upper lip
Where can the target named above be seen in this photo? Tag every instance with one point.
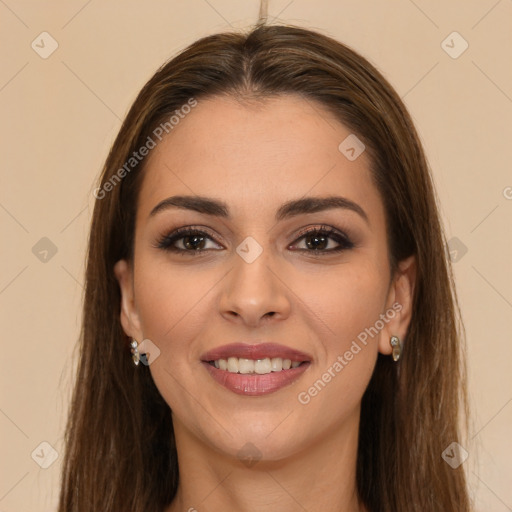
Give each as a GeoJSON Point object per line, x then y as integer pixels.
{"type": "Point", "coordinates": [255, 351]}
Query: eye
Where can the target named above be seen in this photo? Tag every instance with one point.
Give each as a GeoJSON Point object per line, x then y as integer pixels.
{"type": "Point", "coordinates": [195, 241]}
{"type": "Point", "coordinates": [321, 240]}
{"type": "Point", "coordinates": [189, 240]}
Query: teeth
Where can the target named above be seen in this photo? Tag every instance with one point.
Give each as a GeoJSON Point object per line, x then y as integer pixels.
{"type": "Point", "coordinates": [232, 364]}
{"type": "Point", "coordinates": [262, 366]}
{"type": "Point", "coordinates": [258, 366]}
{"type": "Point", "coordinates": [246, 366]}
{"type": "Point", "coordinates": [276, 364]}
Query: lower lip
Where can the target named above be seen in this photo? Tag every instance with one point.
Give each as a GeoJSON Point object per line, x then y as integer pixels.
{"type": "Point", "coordinates": [254, 384]}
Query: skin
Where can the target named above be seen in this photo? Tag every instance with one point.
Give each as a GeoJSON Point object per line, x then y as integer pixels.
{"type": "Point", "coordinates": [255, 158]}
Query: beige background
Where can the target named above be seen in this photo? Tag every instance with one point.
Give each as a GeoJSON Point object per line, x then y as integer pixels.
{"type": "Point", "coordinates": [60, 115]}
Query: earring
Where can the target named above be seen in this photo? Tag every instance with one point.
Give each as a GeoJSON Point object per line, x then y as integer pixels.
{"type": "Point", "coordinates": [397, 347]}
{"type": "Point", "coordinates": [135, 352]}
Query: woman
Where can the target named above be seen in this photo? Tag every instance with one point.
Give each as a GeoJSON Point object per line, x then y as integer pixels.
{"type": "Point", "coordinates": [270, 321]}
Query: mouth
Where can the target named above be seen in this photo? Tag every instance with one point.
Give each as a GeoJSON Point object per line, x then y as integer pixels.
{"type": "Point", "coordinates": [255, 366]}
{"type": "Point", "coordinates": [254, 370]}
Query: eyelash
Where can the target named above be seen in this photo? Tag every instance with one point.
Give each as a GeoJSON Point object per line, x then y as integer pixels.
{"type": "Point", "coordinates": [166, 242]}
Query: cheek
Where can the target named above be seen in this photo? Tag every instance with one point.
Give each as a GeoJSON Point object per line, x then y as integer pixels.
{"type": "Point", "coordinates": [347, 309]}
{"type": "Point", "coordinates": [346, 302]}
{"type": "Point", "coordinates": [171, 303]}
{"type": "Point", "coordinates": [174, 307]}
{"type": "Point", "coordinates": [170, 285]}
{"type": "Point", "coordinates": [349, 303]}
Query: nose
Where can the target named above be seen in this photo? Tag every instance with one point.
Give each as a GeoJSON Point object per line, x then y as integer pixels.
{"type": "Point", "coordinates": [254, 293]}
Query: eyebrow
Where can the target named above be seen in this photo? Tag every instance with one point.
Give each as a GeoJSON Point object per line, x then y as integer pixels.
{"type": "Point", "coordinates": [210, 206]}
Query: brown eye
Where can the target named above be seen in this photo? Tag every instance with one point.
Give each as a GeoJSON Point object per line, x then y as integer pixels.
{"type": "Point", "coordinates": [193, 242]}
{"type": "Point", "coordinates": [316, 242]}
{"type": "Point", "coordinates": [324, 240]}
{"type": "Point", "coordinates": [187, 241]}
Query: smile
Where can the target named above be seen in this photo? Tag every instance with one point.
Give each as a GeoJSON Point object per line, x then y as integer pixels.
{"type": "Point", "coordinates": [255, 366]}
{"type": "Point", "coordinates": [255, 369]}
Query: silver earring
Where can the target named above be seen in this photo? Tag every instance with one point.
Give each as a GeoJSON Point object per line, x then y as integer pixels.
{"type": "Point", "coordinates": [135, 352]}
{"type": "Point", "coordinates": [397, 347]}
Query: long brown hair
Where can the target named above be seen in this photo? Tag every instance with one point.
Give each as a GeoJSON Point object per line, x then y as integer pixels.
{"type": "Point", "coordinates": [120, 449]}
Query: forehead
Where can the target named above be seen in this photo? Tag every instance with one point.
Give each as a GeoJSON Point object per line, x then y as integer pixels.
{"type": "Point", "coordinates": [256, 156]}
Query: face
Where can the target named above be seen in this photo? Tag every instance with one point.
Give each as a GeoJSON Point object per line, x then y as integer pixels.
{"type": "Point", "coordinates": [268, 261]}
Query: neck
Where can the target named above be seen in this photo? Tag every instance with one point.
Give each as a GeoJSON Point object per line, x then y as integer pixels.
{"type": "Point", "coordinates": [321, 477]}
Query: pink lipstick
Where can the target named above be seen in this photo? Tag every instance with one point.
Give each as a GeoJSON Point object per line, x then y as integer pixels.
{"type": "Point", "coordinates": [255, 369]}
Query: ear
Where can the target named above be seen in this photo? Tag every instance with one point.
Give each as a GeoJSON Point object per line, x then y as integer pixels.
{"type": "Point", "coordinates": [129, 316]}
{"type": "Point", "coordinates": [399, 304]}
